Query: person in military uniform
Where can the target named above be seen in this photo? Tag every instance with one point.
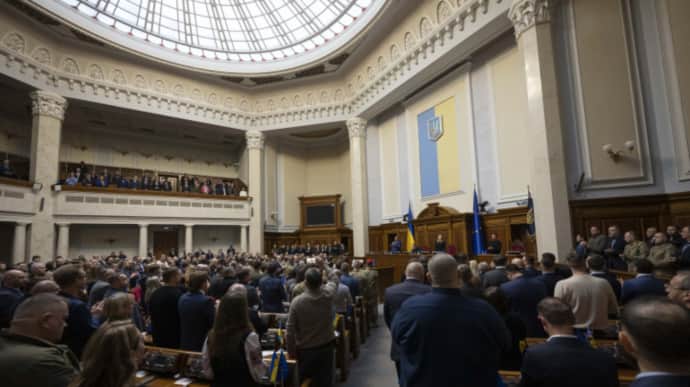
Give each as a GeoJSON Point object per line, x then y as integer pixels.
{"type": "Point", "coordinates": [663, 256]}
{"type": "Point", "coordinates": [597, 241]}
{"type": "Point", "coordinates": [28, 353]}
{"type": "Point", "coordinates": [634, 249]}
{"type": "Point", "coordinates": [368, 288]}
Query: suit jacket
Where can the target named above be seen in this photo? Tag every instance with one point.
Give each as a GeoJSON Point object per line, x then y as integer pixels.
{"type": "Point", "coordinates": [684, 259]}
{"type": "Point", "coordinates": [612, 280]}
{"type": "Point", "coordinates": [524, 295]}
{"type": "Point", "coordinates": [616, 244]}
{"type": "Point", "coordinates": [272, 294]}
{"type": "Point", "coordinates": [662, 380]}
{"type": "Point", "coordinates": [352, 283]}
{"type": "Point", "coordinates": [393, 300]}
{"type": "Point", "coordinates": [494, 277]}
{"type": "Point", "coordinates": [567, 362]}
{"type": "Point", "coordinates": [449, 340]}
{"type": "Point", "coordinates": [531, 272]}
{"type": "Point", "coordinates": [549, 280]}
{"type": "Point", "coordinates": [644, 285]}
{"type": "Point", "coordinates": [9, 300]}
{"type": "Point", "coordinates": [494, 247]}
{"type": "Point", "coordinates": [196, 312]}
{"type": "Point", "coordinates": [165, 318]}
{"type": "Point", "coordinates": [80, 325]}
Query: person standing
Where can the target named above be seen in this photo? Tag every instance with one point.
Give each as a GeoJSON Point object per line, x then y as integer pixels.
{"type": "Point", "coordinates": [163, 310]}
{"type": "Point", "coordinates": [399, 293]}
{"type": "Point", "coordinates": [653, 330]}
{"type": "Point", "coordinates": [310, 338]}
{"type": "Point", "coordinates": [447, 339]}
{"type": "Point", "coordinates": [634, 249]}
{"type": "Point", "coordinates": [196, 311]}
{"type": "Point", "coordinates": [563, 360]}
{"type": "Point", "coordinates": [10, 295]}
{"type": "Point", "coordinates": [80, 323]}
{"type": "Point", "coordinates": [523, 296]}
{"type": "Point", "coordinates": [440, 244]}
{"type": "Point", "coordinates": [29, 353]}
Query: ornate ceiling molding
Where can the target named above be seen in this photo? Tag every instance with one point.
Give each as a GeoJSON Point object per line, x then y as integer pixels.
{"type": "Point", "coordinates": [255, 139]}
{"type": "Point", "coordinates": [432, 42]}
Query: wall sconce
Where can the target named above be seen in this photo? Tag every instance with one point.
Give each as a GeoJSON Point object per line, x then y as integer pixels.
{"type": "Point", "coordinates": [37, 187]}
{"type": "Point", "coordinates": [616, 155]}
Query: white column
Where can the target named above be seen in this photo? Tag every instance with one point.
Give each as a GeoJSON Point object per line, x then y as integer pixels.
{"type": "Point", "coordinates": [188, 238]}
{"type": "Point", "coordinates": [255, 149]}
{"type": "Point", "coordinates": [19, 244]}
{"type": "Point", "coordinates": [143, 239]}
{"type": "Point", "coordinates": [548, 182]}
{"type": "Point", "coordinates": [63, 240]}
{"type": "Point", "coordinates": [48, 112]}
{"type": "Point", "coordinates": [243, 238]}
{"type": "Point", "coordinates": [357, 129]}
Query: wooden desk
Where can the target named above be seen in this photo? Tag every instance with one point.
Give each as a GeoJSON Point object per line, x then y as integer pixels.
{"type": "Point", "coordinates": [625, 376]}
{"type": "Point", "coordinates": [162, 381]}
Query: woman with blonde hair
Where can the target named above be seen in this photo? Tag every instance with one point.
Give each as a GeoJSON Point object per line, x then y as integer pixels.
{"type": "Point", "coordinates": [118, 307]}
{"type": "Point", "coordinates": [112, 356]}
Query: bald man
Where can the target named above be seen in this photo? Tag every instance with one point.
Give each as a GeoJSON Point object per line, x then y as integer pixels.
{"type": "Point", "coordinates": [45, 286]}
{"type": "Point", "coordinates": [397, 294]}
{"type": "Point", "coordinates": [447, 339]}
{"type": "Point", "coordinates": [28, 353]}
{"type": "Point", "coordinates": [678, 289]}
{"type": "Point", "coordinates": [10, 295]}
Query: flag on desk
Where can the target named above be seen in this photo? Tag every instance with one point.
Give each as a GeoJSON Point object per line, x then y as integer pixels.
{"type": "Point", "coordinates": [279, 367]}
{"type": "Point", "coordinates": [410, 228]}
{"type": "Point", "coordinates": [530, 214]}
{"type": "Point", "coordinates": [477, 235]}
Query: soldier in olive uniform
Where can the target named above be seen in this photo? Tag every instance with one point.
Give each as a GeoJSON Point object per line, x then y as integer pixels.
{"type": "Point", "coordinates": [634, 249]}
{"type": "Point", "coordinates": [597, 241]}
{"type": "Point", "coordinates": [368, 280]}
{"type": "Point", "coordinates": [663, 252]}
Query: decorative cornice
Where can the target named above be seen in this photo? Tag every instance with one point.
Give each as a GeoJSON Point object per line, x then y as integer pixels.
{"type": "Point", "coordinates": [44, 103]}
{"type": "Point", "coordinates": [357, 127]}
{"type": "Point", "coordinates": [255, 139]}
{"type": "Point", "coordinates": [525, 14]}
{"type": "Point", "coordinates": [110, 86]}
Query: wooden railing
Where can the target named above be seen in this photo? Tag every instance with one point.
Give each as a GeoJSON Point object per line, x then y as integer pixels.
{"type": "Point", "coordinates": [127, 191]}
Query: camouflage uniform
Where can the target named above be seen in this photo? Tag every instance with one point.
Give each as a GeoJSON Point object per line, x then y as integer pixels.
{"type": "Point", "coordinates": [662, 254]}
{"type": "Point", "coordinates": [368, 288]}
{"type": "Point", "coordinates": [635, 250]}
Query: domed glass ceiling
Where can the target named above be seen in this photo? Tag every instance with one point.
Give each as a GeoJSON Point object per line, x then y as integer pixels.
{"type": "Point", "coordinates": [251, 31]}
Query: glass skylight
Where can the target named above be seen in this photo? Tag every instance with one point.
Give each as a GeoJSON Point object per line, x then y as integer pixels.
{"type": "Point", "coordinates": [228, 30]}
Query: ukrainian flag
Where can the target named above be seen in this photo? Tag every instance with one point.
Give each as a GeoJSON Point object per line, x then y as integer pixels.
{"type": "Point", "coordinates": [439, 158]}
{"type": "Point", "coordinates": [410, 228]}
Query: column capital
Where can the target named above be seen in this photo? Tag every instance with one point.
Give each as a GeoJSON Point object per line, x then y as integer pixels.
{"type": "Point", "coordinates": [189, 225]}
{"type": "Point", "coordinates": [142, 225]}
{"type": "Point", "coordinates": [525, 14]}
{"type": "Point", "coordinates": [22, 224]}
{"type": "Point", "coordinates": [62, 224]}
{"type": "Point", "coordinates": [44, 103]}
{"type": "Point", "coordinates": [255, 139]}
{"type": "Point", "coordinates": [356, 127]}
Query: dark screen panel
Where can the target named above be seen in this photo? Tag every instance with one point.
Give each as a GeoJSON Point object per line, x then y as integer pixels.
{"type": "Point", "coordinates": [320, 215]}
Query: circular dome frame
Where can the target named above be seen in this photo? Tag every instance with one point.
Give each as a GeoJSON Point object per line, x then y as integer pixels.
{"type": "Point", "coordinates": [229, 37]}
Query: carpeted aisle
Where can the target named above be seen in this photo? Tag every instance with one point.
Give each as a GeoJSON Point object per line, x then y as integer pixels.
{"type": "Point", "coordinates": [373, 368]}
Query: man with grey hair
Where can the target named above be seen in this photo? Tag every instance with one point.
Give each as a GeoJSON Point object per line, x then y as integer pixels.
{"type": "Point", "coordinates": [678, 289]}
{"type": "Point", "coordinates": [447, 339]}
{"type": "Point", "coordinates": [397, 294]}
{"type": "Point", "coordinates": [28, 351]}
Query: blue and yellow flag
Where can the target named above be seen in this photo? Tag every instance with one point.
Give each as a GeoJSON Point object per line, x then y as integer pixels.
{"type": "Point", "coordinates": [410, 228]}
{"type": "Point", "coordinates": [279, 367]}
{"type": "Point", "coordinates": [477, 234]}
{"type": "Point", "coordinates": [439, 159]}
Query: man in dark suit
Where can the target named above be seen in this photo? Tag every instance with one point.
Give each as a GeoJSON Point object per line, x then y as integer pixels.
{"type": "Point", "coordinates": [684, 259]}
{"type": "Point", "coordinates": [493, 245]}
{"type": "Point", "coordinates": [549, 275]}
{"type": "Point", "coordinates": [497, 276]}
{"type": "Point", "coordinates": [396, 245]}
{"type": "Point", "coordinates": [397, 294]}
{"type": "Point", "coordinates": [10, 295]}
{"type": "Point", "coordinates": [614, 250]}
{"type": "Point", "coordinates": [221, 283]}
{"type": "Point", "coordinates": [644, 284]}
{"type": "Point", "coordinates": [653, 330]}
{"type": "Point", "coordinates": [80, 323]}
{"type": "Point", "coordinates": [351, 282]}
{"type": "Point", "coordinates": [197, 312]}
{"type": "Point", "coordinates": [564, 360]}
{"type": "Point", "coordinates": [272, 291]}
{"type": "Point", "coordinates": [447, 339]}
{"type": "Point", "coordinates": [530, 270]}
{"type": "Point", "coordinates": [165, 318]}
{"type": "Point", "coordinates": [524, 294]}
{"type": "Point", "coordinates": [597, 268]}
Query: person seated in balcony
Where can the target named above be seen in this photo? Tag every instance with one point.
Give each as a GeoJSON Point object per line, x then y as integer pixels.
{"type": "Point", "coordinates": [71, 180]}
{"type": "Point", "coordinates": [203, 188]}
{"type": "Point", "coordinates": [134, 183]}
{"type": "Point", "coordinates": [145, 182]}
{"type": "Point", "coordinates": [220, 188]}
{"type": "Point", "coordinates": [229, 188]}
{"type": "Point", "coordinates": [157, 184]}
{"type": "Point", "coordinates": [210, 185]}
{"type": "Point", "coordinates": [167, 185]}
{"type": "Point", "coordinates": [100, 182]}
{"type": "Point", "coordinates": [107, 177]}
{"type": "Point", "coordinates": [6, 170]}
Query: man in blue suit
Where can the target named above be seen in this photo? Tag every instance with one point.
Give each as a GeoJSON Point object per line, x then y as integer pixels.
{"type": "Point", "coordinates": [447, 339]}
{"type": "Point", "coordinates": [272, 290]}
{"type": "Point", "coordinates": [614, 250]}
{"type": "Point", "coordinates": [549, 276]}
{"type": "Point", "coordinates": [564, 360]}
{"type": "Point", "coordinates": [524, 294]}
{"type": "Point", "coordinates": [397, 294]}
{"type": "Point", "coordinates": [197, 312]}
{"type": "Point", "coordinates": [644, 284]}
{"type": "Point", "coordinates": [351, 282]}
{"type": "Point", "coordinates": [396, 245]}
{"type": "Point", "coordinates": [80, 323]}
{"type": "Point", "coordinates": [655, 331]}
